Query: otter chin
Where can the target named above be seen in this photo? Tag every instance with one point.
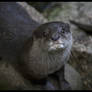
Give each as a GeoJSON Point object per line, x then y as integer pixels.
{"type": "Point", "coordinates": [56, 45]}
{"type": "Point", "coordinates": [47, 50]}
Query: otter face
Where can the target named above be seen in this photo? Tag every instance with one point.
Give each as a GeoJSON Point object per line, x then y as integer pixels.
{"type": "Point", "coordinates": [53, 36]}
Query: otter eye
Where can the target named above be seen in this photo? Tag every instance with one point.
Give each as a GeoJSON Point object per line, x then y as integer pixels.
{"type": "Point", "coordinates": [46, 32]}
{"type": "Point", "coordinates": [63, 30]}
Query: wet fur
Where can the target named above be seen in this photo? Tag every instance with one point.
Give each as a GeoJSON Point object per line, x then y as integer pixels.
{"type": "Point", "coordinates": [38, 63]}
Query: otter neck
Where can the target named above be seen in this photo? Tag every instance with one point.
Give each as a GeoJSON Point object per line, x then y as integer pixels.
{"type": "Point", "coordinates": [50, 62]}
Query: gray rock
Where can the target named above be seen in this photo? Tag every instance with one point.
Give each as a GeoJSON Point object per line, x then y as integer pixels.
{"type": "Point", "coordinates": [73, 77]}
{"type": "Point", "coordinates": [81, 55]}
{"type": "Point", "coordinates": [10, 79]}
{"type": "Point", "coordinates": [17, 21]}
{"type": "Point", "coordinates": [23, 19]}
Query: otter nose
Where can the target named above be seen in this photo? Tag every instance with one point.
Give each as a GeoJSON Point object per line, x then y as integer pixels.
{"type": "Point", "coordinates": [55, 37]}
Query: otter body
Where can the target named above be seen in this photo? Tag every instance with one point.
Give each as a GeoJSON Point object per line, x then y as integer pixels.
{"type": "Point", "coordinates": [49, 50]}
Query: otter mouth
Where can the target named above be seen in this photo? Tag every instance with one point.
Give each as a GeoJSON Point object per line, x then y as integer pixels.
{"type": "Point", "coordinates": [56, 45]}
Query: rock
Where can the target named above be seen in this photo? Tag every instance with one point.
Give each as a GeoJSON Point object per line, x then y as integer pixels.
{"type": "Point", "coordinates": [17, 18]}
{"type": "Point", "coordinates": [81, 55]}
{"type": "Point", "coordinates": [10, 79]}
{"type": "Point", "coordinates": [81, 59]}
{"type": "Point", "coordinates": [39, 18]}
{"type": "Point", "coordinates": [84, 26]}
{"type": "Point", "coordinates": [20, 17]}
{"type": "Point", "coordinates": [73, 77]}
{"type": "Point", "coordinates": [42, 7]}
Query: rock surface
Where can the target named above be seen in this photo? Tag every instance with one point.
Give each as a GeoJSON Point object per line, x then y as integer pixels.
{"type": "Point", "coordinates": [73, 77]}
{"type": "Point", "coordinates": [81, 56]}
{"type": "Point", "coordinates": [11, 21]}
{"type": "Point", "coordinates": [17, 18]}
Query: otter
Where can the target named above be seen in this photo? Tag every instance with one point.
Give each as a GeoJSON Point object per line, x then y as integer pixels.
{"type": "Point", "coordinates": [46, 51]}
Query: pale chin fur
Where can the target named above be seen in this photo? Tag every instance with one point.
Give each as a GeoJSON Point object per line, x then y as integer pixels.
{"type": "Point", "coordinates": [56, 45]}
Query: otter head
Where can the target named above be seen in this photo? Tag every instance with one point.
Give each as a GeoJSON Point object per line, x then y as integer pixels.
{"type": "Point", "coordinates": [53, 36]}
